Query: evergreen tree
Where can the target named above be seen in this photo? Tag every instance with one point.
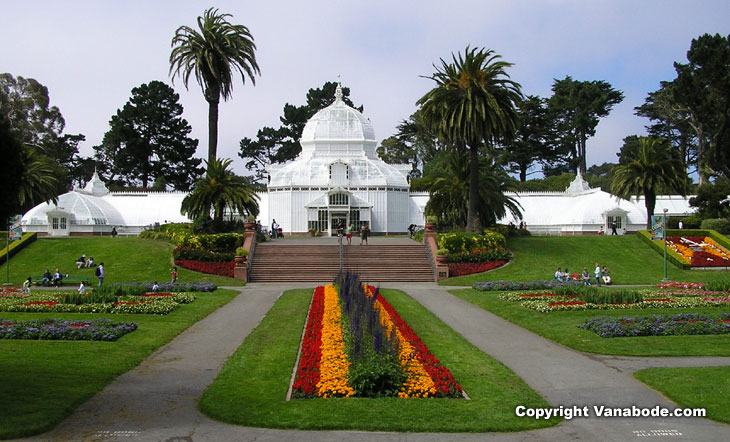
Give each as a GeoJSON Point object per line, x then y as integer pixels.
{"type": "Point", "coordinates": [148, 139]}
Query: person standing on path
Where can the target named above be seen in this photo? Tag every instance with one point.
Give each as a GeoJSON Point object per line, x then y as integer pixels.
{"type": "Point", "coordinates": [348, 233]}
{"type": "Point", "coordinates": [597, 272]}
{"type": "Point", "coordinates": [100, 273]}
{"type": "Point", "coordinates": [364, 233]}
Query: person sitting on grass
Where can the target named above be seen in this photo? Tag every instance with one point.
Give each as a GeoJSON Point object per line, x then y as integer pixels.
{"type": "Point", "coordinates": [90, 262]}
{"type": "Point", "coordinates": [81, 261]}
{"type": "Point", "coordinates": [586, 276]}
{"type": "Point", "coordinates": [155, 287]}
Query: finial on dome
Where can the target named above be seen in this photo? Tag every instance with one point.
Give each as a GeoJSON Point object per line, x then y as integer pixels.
{"type": "Point", "coordinates": [338, 93]}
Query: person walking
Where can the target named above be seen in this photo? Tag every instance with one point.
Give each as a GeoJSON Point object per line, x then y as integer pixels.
{"type": "Point", "coordinates": [173, 273]}
{"type": "Point", "coordinates": [597, 273]}
{"type": "Point", "coordinates": [100, 273]}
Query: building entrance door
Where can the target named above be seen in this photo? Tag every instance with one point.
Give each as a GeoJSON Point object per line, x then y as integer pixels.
{"type": "Point", "coordinates": [337, 219]}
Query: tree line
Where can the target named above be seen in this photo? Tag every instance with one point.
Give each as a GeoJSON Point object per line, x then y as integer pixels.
{"type": "Point", "coordinates": [466, 137]}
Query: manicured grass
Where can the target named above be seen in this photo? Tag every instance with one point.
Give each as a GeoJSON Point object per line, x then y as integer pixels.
{"type": "Point", "coordinates": [125, 259]}
{"type": "Point", "coordinates": [629, 259]}
{"type": "Point", "coordinates": [251, 389]}
{"type": "Point", "coordinates": [562, 327]}
{"type": "Point", "coordinates": [42, 382]}
{"type": "Point", "coordinates": [695, 387]}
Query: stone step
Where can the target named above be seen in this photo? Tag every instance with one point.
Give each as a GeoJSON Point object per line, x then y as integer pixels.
{"type": "Point", "coordinates": [318, 263]}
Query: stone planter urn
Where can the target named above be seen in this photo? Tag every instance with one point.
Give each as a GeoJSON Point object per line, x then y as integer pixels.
{"type": "Point", "coordinates": [441, 259]}
{"type": "Point", "coordinates": [239, 260]}
{"type": "Point", "coordinates": [249, 226]}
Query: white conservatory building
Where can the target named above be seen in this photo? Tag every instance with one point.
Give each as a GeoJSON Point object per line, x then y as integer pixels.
{"type": "Point", "coordinates": [338, 177]}
{"type": "Point", "coordinates": [94, 210]}
{"type": "Point", "coordinates": [581, 210]}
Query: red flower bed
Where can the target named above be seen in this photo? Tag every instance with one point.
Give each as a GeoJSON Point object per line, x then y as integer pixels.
{"type": "Point", "coordinates": [659, 300]}
{"type": "Point", "coordinates": [442, 378]}
{"type": "Point", "coordinates": [213, 268]}
{"type": "Point", "coordinates": [308, 370]}
{"type": "Point", "coordinates": [468, 268]}
{"type": "Point", "coordinates": [155, 295]}
{"type": "Point", "coordinates": [704, 259]}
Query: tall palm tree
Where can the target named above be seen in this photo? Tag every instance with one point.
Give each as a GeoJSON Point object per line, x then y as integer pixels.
{"type": "Point", "coordinates": [449, 191]}
{"type": "Point", "coordinates": [219, 190]}
{"type": "Point", "coordinates": [472, 105]}
{"type": "Point", "coordinates": [213, 54]}
{"type": "Point", "coordinates": [653, 170]}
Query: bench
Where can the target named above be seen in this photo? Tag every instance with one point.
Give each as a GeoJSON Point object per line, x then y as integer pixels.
{"type": "Point", "coordinates": [75, 279]}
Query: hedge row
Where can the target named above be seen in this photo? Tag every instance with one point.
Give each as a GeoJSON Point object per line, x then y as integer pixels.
{"type": "Point", "coordinates": [672, 256]}
{"type": "Point", "coordinates": [17, 246]}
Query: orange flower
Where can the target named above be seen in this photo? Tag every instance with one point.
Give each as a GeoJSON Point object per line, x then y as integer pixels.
{"type": "Point", "coordinates": [334, 365]}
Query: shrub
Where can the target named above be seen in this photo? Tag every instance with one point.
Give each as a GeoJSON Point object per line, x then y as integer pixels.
{"type": "Point", "coordinates": [460, 242]}
{"type": "Point", "coordinates": [691, 222]}
{"type": "Point", "coordinates": [498, 228]}
{"type": "Point", "coordinates": [97, 297]}
{"type": "Point", "coordinates": [418, 236]}
{"type": "Point", "coordinates": [116, 290]}
{"type": "Point", "coordinates": [480, 256]}
{"type": "Point", "coordinates": [717, 286]}
{"type": "Point", "coordinates": [16, 246]}
{"type": "Point", "coordinates": [720, 225]}
{"type": "Point", "coordinates": [613, 297]}
{"type": "Point", "coordinates": [191, 254]}
{"type": "Point", "coordinates": [221, 242]}
{"type": "Point", "coordinates": [241, 252]}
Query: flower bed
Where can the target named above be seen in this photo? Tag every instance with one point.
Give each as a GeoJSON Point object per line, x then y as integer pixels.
{"type": "Point", "coordinates": [711, 254]}
{"type": "Point", "coordinates": [548, 301]}
{"type": "Point", "coordinates": [42, 302]}
{"type": "Point", "coordinates": [70, 330]}
{"type": "Point", "coordinates": [468, 268]}
{"type": "Point", "coordinates": [213, 268]}
{"type": "Point", "coordinates": [529, 285]}
{"type": "Point", "coordinates": [325, 364]}
{"type": "Point", "coordinates": [11, 291]}
{"type": "Point", "coordinates": [659, 325]}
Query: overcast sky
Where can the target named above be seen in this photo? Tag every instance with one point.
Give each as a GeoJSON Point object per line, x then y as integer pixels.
{"type": "Point", "coordinates": [90, 54]}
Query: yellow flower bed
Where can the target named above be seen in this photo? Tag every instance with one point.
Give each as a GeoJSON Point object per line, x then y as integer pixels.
{"type": "Point", "coordinates": [418, 382]}
{"type": "Point", "coordinates": [334, 366]}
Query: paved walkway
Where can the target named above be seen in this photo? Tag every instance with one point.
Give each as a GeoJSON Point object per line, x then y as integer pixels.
{"type": "Point", "coordinates": [157, 400]}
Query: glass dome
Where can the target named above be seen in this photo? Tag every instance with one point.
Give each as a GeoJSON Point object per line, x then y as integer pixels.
{"type": "Point", "coordinates": [338, 122]}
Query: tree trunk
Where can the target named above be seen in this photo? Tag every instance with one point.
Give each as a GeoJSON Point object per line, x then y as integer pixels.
{"type": "Point", "coordinates": [523, 172]}
{"type": "Point", "coordinates": [212, 95]}
{"type": "Point", "coordinates": [582, 148]}
{"type": "Point", "coordinates": [472, 216]}
{"type": "Point", "coordinates": [650, 203]}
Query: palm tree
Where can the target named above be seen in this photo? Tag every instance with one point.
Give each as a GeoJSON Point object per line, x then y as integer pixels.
{"type": "Point", "coordinates": [38, 180]}
{"type": "Point", "coordinates": [449, 191]}
{"type": "Point", "coordinates": [473, 105]}
{"type": "Point", "coordinates": [213, 54]}
{"type": "Point", "coordinates": [653, 170]}
{"type": "Point", "coordinates": [219, 190]}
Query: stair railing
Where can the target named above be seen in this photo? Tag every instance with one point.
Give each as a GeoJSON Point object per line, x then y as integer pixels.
{"type": "Point", "coordinates": [341, 260]}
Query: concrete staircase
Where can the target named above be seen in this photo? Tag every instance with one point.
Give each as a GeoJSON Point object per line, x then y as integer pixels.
{"type": "Point", "coordinates": [320, 262]}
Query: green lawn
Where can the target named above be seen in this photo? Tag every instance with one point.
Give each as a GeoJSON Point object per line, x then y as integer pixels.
{"type": "Point", "coordinates": [694, 387]}
{"type": "Point", "coordinates": [125, 259]}
{"type": "Point", "coordinates": [42, 382]}
{"type": "Point", "coordinates": [251, 389]}
{"type": "Point", "coordinates": [630, 260]}
{"type": "Point", "coordinates": [562, 327]}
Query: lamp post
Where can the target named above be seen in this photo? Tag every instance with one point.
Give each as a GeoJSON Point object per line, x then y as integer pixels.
{"type": "Point", "coordinates": [664, 238]}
